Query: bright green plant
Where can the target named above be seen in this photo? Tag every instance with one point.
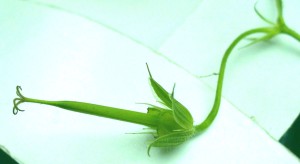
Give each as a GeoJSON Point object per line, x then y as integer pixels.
{"type": "Point", "coordinates": [172, 123]}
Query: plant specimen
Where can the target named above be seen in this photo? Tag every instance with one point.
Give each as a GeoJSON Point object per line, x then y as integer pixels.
{"type": "Point", "coordinates": [172, 123]}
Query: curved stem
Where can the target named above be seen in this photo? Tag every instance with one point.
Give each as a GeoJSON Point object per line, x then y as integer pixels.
{"type": "Point", "coordinates": [212, 115]}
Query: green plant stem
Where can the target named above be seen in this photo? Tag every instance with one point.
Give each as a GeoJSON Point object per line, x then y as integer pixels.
{"type": "Point", "coordinates": [290, 32]}
{"type": "Point", "coordinates": [103, 111]}
{"type": "Point", "coordinates": [212, 115]}
{"type": "Point", "coordinates": [280, 28]}
{"type": "Point", "coordinates": [270, 32]}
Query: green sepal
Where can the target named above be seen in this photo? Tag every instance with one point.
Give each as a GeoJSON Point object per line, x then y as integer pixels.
{"type": "Point", "coordinates": [181, 114]}
{"type": "Point", "coordinates": [173, 139]}
{"type": "Point", "coordinates": [160, 92]}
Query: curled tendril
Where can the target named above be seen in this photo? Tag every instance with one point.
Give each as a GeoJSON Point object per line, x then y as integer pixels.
{"type": "Point", "coordinates": [18, 101]}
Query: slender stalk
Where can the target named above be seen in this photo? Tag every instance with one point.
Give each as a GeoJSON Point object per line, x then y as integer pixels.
{"type": "Point", "coordinates": [103, 111]}
{"type": "Point", "coordinates": [286, 30]}
{"type": "Point", "coordinates": [212, 115]}
{"type": "Point", "coordinates": [280, 27]}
